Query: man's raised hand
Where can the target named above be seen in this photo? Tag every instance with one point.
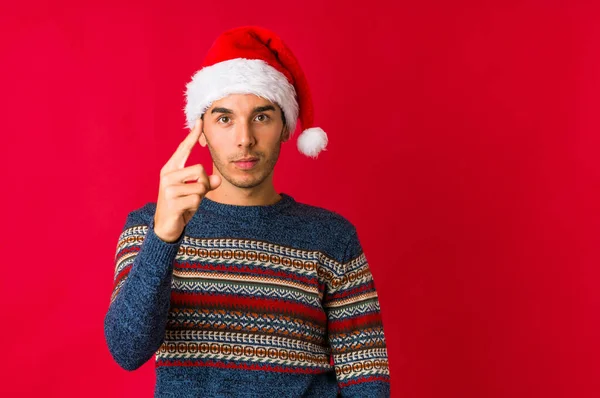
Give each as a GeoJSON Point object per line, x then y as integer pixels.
{"type": "Point", "coordinates": [178, 201]}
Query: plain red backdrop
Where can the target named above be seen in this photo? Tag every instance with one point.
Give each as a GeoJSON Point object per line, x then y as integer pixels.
{"type": "Point", "coordinates": [463, 146]}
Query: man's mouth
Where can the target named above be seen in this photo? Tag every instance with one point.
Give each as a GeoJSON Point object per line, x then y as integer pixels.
{"type": "Point", "coordinates": [246, 163]}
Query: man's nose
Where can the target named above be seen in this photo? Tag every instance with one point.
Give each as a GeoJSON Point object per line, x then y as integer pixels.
{"type": "Point", "coordinates": [245, 135]}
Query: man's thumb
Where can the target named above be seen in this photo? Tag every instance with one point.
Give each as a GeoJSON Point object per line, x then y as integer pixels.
{"type": "Point", "coordinates": [215, 181]}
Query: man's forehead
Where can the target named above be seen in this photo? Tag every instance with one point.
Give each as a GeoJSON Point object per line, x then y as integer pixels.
{"type": "Point", "coordinates": [242, 101]}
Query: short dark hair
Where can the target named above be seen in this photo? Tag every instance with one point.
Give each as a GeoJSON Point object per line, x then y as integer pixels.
{"type": "Point", "coordinates": [283, 117]}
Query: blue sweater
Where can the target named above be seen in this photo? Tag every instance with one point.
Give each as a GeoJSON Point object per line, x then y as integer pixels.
{"type": "Point", "coordinates": [251, 301]}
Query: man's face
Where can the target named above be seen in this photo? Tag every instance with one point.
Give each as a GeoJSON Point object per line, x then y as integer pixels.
{"type": "Point", "coordinates": [244, 126]}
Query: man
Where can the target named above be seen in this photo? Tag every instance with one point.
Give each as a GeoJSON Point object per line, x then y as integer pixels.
{"type": "Point", "coordinates": [241, 291]}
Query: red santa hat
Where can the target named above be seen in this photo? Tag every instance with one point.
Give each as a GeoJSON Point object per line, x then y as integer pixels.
{"type": "Point", "coordinates": [254, 60]}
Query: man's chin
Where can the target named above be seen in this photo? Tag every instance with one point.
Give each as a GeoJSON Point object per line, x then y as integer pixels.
{"type": "Point", "coordinates": [245, 183]}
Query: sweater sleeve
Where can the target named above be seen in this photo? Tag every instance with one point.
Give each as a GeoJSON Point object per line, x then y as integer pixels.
{"type": "Point", "coordinates": [134, 325]}
{"type": "Point", "coordinates": [355, 327]}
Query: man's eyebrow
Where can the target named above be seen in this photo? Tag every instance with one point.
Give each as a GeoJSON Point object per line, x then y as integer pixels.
{"type": "Point", "coordinates": [256, 110]}
{"type": "Point", "coordinates": [221, 110]}
{"type": "Point", "coordinates": [264, 108]}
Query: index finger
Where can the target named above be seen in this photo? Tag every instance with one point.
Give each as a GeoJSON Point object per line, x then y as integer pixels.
{"type": "Point", "coordinates": [177, 161]}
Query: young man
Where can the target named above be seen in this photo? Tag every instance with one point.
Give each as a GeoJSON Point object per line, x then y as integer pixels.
{"type": "Point", "coordinates": [241, 291]}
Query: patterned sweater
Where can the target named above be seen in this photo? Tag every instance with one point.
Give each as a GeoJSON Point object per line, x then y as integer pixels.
{"type": "Point", "coordinates": [251, 301]}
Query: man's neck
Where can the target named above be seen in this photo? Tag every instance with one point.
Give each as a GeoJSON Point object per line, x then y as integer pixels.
{"type": "Point", "coordinates": [244, 197]}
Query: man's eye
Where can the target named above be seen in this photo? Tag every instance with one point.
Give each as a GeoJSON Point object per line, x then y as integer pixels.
{"type": "Point", "coordinates": [262, 117]}
{"type": "Point", "coordinates": [224, 119]}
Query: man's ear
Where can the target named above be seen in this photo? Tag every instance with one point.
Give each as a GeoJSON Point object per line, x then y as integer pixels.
{"type": "Point", "coordinates": [202, 140]}
{"type": "Point", "coordinates": [285, 134]}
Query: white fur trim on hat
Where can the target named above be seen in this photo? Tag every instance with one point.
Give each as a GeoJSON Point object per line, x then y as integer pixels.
{"type": "Point", "coordinates": [240, 76]}
{"type": "Point", "coordinates": [312, 141]}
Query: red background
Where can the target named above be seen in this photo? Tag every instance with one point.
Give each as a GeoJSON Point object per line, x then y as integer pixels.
{"type": "Point", "coordinates": [463, 146]}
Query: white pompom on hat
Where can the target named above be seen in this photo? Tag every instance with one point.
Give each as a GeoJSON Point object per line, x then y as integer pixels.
{"type": "Point", "coordinates": [254, 60]}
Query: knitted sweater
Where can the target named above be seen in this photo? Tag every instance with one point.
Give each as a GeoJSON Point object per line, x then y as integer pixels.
{"type": "Point", "coordinates": [251, 301]}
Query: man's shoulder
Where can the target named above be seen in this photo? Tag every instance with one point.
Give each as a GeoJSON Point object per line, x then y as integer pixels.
{"type": "Point", "coordinates": [335, 233]}
{"type": "Point", "coordinates": [324, 217]}
{"type": "Point", "coordinates": [141, 215]}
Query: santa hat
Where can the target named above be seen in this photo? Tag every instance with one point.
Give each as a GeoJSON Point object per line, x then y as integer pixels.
{"type": "Point", "coordinates": [254, 60]}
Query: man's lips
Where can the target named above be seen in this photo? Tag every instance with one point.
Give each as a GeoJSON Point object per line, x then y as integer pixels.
{"type": "Point", "coordinates": [246, 159]}
{"type": "Point", "coordinates": [246, 163]}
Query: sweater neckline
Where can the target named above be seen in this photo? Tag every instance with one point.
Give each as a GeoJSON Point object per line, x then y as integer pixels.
{"type": "Point", "coordinates": [247, 211]}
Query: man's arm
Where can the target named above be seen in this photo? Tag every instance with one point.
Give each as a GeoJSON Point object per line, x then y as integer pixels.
{"type": "Point", "coordinates": [355, 327]}
{"type": "Point", "coordinates": [134, 326]}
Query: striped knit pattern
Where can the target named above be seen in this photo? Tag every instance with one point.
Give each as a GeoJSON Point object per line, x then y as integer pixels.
{"type": "Point", "coordinates": [252, 303]}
